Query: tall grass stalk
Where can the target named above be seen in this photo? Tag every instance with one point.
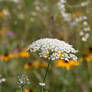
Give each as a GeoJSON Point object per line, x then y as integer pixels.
{"type": "Point", "coordinates": [42, 89]}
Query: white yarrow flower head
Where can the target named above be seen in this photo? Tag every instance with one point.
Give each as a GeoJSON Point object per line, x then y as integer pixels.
{"type": "Point", "coordinates": [23, 80]}
{"type": "Point", "coordinates": [53, 49]}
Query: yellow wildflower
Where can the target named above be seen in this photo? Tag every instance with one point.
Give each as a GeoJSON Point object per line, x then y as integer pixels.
{"type": "Point", "coordinates": [67, 65]}
{"type": "Point", "coordinates": [43, 64]}
{"type": "Point", "coordinates": [24, 54]}
{"type": "Point", "coordinates": [77, 13]}
{"type": "Point", "coordinates": [27, 66]}
{"type": "Point", "coordinates": [6, 57]}
{"type": "Point", "coordinates": [87, 51]}
{"type": "Point", "coordinates": [88, 54]}
{"type": "Point", "coordinates": [1, 14]}
{"type": "Point", "coordinates": [28, 90]}
{"type": "Point", "coordinates": [36, 64]}
{"type": "Point", "coordinates": [88, 57]}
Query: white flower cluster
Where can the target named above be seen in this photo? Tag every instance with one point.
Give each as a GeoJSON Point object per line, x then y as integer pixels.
{"type": "Point", "coordinates": [53, 49]}
{"type": "Point", "coordinates": [23, 80]}
{"type": "Point", "coordinates": [68, 17]}
{"type": "Point", "coordinates": [2, 79]}
{"type": "Point", "coordinates": [65, 15]}
{"type": "Point", "coordinates": [84, 33]}
{"type": "Point", "coordinates": [83, 4]}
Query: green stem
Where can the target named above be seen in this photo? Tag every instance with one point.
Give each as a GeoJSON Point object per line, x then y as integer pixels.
{"type": "Point", "coordinates": [45, 75]}
{"type": "Point", "coordinates": [46, 72]}
{"type": "Point", "coordinates": [0, 88]}
{"type": "Point", "coordinates": [22, 88]}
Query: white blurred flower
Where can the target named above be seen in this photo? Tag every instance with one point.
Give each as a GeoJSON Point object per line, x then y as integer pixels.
{"type": "Point", "coordinates": [23, 80]}
{"type": "Point", "coordinates": [53, 49]}
{"type": "Point", "coordinates": [16, 1]}
{"type": "Point", "coordinates": [85, 23]}
{"type": "Point", "coordinates": [65, 15]}
{"type": "Point", "coordinates": [6, 12]}
{"type": "Point", "coordinates": [87, 29]}
{"type": "Point", "coordinates": [2, 79]}
{"type": "Point", "coordinates": [81, 33]}
{"type": "Point", "coordinates": [85, 37]}
{"type": "Point", "coordinates": [42, 84]}
{"type": "Point", "coordinates": [84, 4]}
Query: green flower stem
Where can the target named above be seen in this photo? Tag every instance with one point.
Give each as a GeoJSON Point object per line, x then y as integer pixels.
{"type": "Point", "coordinates": [45, 75]}
{"type": "Point", "coordinates": [22, 87]}
{"type": "Point", "coordinates": [0, 88]}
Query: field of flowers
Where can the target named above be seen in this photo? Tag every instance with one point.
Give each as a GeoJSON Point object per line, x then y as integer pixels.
{"type": "Point", "coordinates": [45, 45]}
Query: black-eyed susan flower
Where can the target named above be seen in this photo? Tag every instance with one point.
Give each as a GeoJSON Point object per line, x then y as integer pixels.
{"type": "Point", "coordinates": [29, 90]}
{"type": "Point", "coordinates": [5, 57]}
{"type": "Point", "coordinates": [87, 51]}
{"type": "Point", "coordinates": [36, 65]}
{"type": "Point", "coordinates": [28, 66]}
{"type": "Point", "coordinates": [67, 65]}
{"type": "Point", "coordinates": [88, 57]}
{"type": "Point", "coordinates": [88, 54]}
{"type": "Point", "coordinates": [24, 54]}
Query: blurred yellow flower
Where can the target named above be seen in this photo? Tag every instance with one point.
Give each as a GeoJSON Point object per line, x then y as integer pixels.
{"type": "Point", "coordinates": [28, 90]}
{"type": "Point", "coordinates": [36, 65]}
{"type": "Point", "coordinates": [43, 64]}
{"type": "Point", "coordinates": [27, 66]}
{"type": "Point", "coordinates": [87, 51]}
{"type": "Point", "coordinates": [67, 65]}
{"type": "Point", "coordinates": [77, 13]}
{"type": "Point", "coordinates": [88, 57]}
{"type": "Point", "coordinates": [1, 13]}
{"type": "Point", "coordinates": [24, 54]}
{"type": "Point", "coordinates": [88, 54]}
{"type": "Point", "coordinates": [3, 30]}
{"type": "Point", "coordinates": [6, 57]}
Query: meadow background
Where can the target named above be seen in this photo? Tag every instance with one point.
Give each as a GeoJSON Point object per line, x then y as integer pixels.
{"type": "Point", "coordinates": [24, 21]}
